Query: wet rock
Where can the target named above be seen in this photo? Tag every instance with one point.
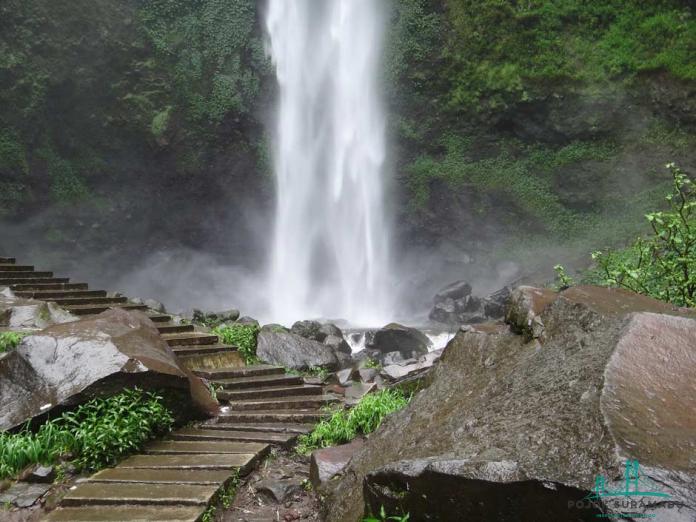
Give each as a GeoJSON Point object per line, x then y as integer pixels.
{"type": "Point", "coordinates": [326, 463]}
{"type": "Point", "coordinates": [357, 390]}
{"type": "Point", "coordinates": [273, 327]}
{"type": "Point", "coordinates": [213, 319]}
{"type": "Point", "coordinates": [43, 474]}
{"type": "Point", "coordinates": [19, 313]}
{"type": "Point", "coordinates": [524, 310]}
{"type": "Point", "coordinates": [295, 352]}
{"type": "Point", "coordinates": [610, 381]}
{"type": "Point", "coordinates": [344, 376]}
{"type": "Point", "coordinates": [337, 344]}
{"type": "Point", "coordinates": [453, 291]}
{"type": "Point", "coordinates": [445, 312]}
{"type": "Point", "coordinates": [277, 491]}
{"type": "Point", "coordinates": [69, 363]}
{"type": "Point", "coordinates": [155, 305]}
{"type": "Point", "coordinates": [23, 494]}
{"type": "Point", "coordinates": [398, 338]}
{"type": "Point", "coordinates": [308, 330]}
{"type": "Point", "coordinates": [367, 375]}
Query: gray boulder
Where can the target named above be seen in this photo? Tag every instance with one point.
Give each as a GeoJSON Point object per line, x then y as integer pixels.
{"type": "Point", "coordinates": [453, 291]}
{"type": "Point", "coordinates": [326, 463]}
{"type": "Point", "coordinates": [309, 330]}
{"type": "Point", "coordinates": [507, 416]}
{"type": "Point", "coordinates": [295, 352]}
{"type": "Point", "coordinates": [20, 313]}
{"type": "Point", "coordinates": [398, 338]}
{"type": "Point", "coordinates": [70, 363]}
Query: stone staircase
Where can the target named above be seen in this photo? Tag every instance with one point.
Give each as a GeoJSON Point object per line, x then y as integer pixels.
{"type": "Point", "coordinates": [177, 478]}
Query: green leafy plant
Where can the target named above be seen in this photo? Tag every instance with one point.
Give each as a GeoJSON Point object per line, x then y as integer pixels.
{"type": "Point", "coordinates": [383, 517]}
{"type": "Point", "coordinates": [344, 425]}
{"type": "Point", "coordinates": [95, 434]}
{"type": "Point", "coordinates": [373, 364]}
{"type": "Point", "coordinates": [563, 280]}
{"type": "Point", "coordinates": [662, 265]}
{"type": "Point", "coordinates": [10, 340]}
{"type": "Point", "coordinates": [243, 336]}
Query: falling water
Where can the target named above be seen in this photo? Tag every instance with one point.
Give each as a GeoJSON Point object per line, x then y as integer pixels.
{"type": "Point", "coordinates": [330, 250]}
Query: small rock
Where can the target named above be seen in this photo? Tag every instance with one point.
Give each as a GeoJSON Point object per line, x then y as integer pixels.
{"type": "Point", "coordinates": [357, 391]}
{"type": "Point", "coordinates": [338, 344]}
{"type": "Point", "coordinates": [367, 374]}
{"type": "Point", "coordinates": [392, 358]}
{"type": "Point", "coordinates": [43, 474]}
{"type": "Point", "coordinates": [155, 305]}
{"type": "Point", "coordinates": [344, 376]}
{"type": "Point", "coordinates": [327, 462]}
{"type": "Point", "coordinates": [277, 491]}
{"type": "Point", "coordinates": [455, 291]}
{"type": "Point", "coordinates": [24, 494]}
{"type": "Point", "coordinates": [398, 338]}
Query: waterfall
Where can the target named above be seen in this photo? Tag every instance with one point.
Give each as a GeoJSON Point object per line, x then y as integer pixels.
{"type": "Point", "coordinates": [330, 251]}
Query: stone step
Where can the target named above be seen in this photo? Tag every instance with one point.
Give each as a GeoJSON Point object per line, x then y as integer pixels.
{"type": "Point", "coordinates": [174, 447]}
{"type": "Point", "coordinates": [202, 349]}
{"type": "Point", "coordinates": [50, 295]}
{"type": "Point", "coordinates": [93, 309]}
{"type": "Point", "coordinates": [249, 427]}
{"type": "Point", "coordinates": [262, 381]}
{"type": "Point", "coordinates": [283, 403]}
{"type": "Point", "coordinates": [116, 493]}
{"type": "Point", "coordinates": [190, 339]}
{"type": "Point", "coordinates": [170, 328]}
{"type": "Point", "coordinates": [162, 476]}
{"type": "Point", "coordinates": [270, 392]}
{"type": "Point", "coordinates": [274, 416]}
{"type": "Point", "coordinates": [40, 286]}
{"type": "Point", "coordinates": [234, 373]}
{"type": "Point", "coordinates": [67, 301]}
{"type": "Point", "coordinates": [7, 260]}
{"type": "Point", "coordinates": [200, 434]}
{"type": "Point", "coordinates": [242, 461]}
{"type": "Point", "coordinates": [12, 267]}
{"type": "Point", "coordinates": [5, 274]}
{"type": "Point", "coordinates": [160, 318]}
{"type": "Point", "coordinates": [126, 513]}
{"type": "Point", "coordinates": [31, 280]}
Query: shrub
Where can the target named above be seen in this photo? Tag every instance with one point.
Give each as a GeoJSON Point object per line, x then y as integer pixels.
{"type": "Point", "coordinates": [243, 336]}
{"type": "Point", "coordinates": [345, 425]}
{"type": "Point", "coordinates": [95, 434]}
{"type": "Point", "coordinates": [662, 265]}
{"type": "Point", "coordinates": [10, 340]}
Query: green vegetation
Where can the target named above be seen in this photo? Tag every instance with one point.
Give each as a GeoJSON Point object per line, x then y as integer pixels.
{"type": "Point", "coordinates": [95, 434]}
{"type": "Point", "coordinates": [243, 336]}
{"type": "Point", "coordinates": [662, 265]}
{"type": "Point", "coordinates": [10, 340]}
{"type": "Point", "coordinates": [344, 425]}
{"type": "Point", "coordinates": [223, 498]}
{"type": "Point", "coordinates": [383, 517]}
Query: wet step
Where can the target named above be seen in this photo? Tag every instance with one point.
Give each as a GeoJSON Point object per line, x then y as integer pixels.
{"type": "Point", "coordinates": [160, 318]}
{"type": "Point", "coordinates": [202, 349]}
{"type": "Point", "coordinates": [51, 295]}
{"type": "Point", "coordinates": [256, 370]}
{"type": "Point", "coordinates": [126, 513]}
{"type": "Point", "coordinates": [30, 280]}
{"type": "Point", "coordinates": [198, 434]}
{"type": "Point", "coordinates": [189, 339]}
{"type": "Point", "coordinates": [175, 328]}
{"type": "Point", "coordinates": [162, 476]}
{"type": "Point", "coordinates": [259, 382]}
{"type": "Point", "coordinates": [283, 403]}
{"type": "Point", "coordinates": [12, 267]}
{"type": "Point", "coordinates": [173, 447]}
{"type": "Point", "coordinates": [10, 274]}
{"type": "Point", "coordinates": [68, 301]}
{"type": "Point", "coordinates": [274, 416]}
{"type": "Point", "coordinates": [270, 392]}
{"type": "Point", "coordinates": [297, 429]}
{"type": "Point", "coordinates": [41, 286]}
{"type": "Point", "coordinates": [7, 260]}
{"type": "Point", "coordinates": [242, 461]}
{"type": "Point", "coordinates": [100, 493]}
{"type": "Point", "coordinates": [93, 309]}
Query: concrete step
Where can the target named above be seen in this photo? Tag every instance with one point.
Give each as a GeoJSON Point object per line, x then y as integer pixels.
{"type": "Point", "coordinates": [270, 392]}
{"type": "Point", "coordinates": [234, 373]}
{"type": "Point", "coordinates": [202, 349]}
{"type": "Point", "coordinates": [261, 381]}
{"type": "Point", "coordinates": [274, 416]}
{"type": "Point", "coordinates": [191, 447]}
{"type": "Point", "coordinates": [283, 403]}
{"type": "Point", "coordinates": [89, 300]}
{"type": "Point", "coordinates": [297, 429]}
{"type": "Point", "coordinates": [50, 295]}
{"type": "Point", "coordinates": [199, 434]}
{"type": "Point", "coordinates": [159, 318]}
{"type": "Point", "coordinates": [170, 328]}
{"type": "Point", "coordinates": [12, 267]}
{"type": "Point", "coordinates": [190, 339]}
{"type": "Point", "coordinates": [126, 513]}
{"type": "Point", "coordinates": [8, 274]}
{"type": "Point", "coordinates": [162, 476]}
{"type": "Point", "coordinates": [93, 309]}
{"type": "Point", "coordinates": [241, 461]}
{"type": "Point", "coordinates": [101, 494]}
{"type": "Point", "coordinates": [7, 260]}
{"type": "Point", "coordinates": [41, 286]}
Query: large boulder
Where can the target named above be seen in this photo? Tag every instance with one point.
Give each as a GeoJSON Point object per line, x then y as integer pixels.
{"type": "Point", "coordinates": [395, 337]}
{"type": "Point", "coordinates": [69, 363]}
{"type": "Point", "coordinates": [295, 352]}
{"type": "Point", "coordinates": [454, 305]}
{"type": "Point", "coordinates": [606, 396]}
{"type": "Point", "coordinates": [20, 313]}
{"type": "Point", "coordinates": [325, 333]}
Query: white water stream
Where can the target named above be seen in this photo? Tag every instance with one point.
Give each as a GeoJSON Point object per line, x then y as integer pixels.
{"type": "Point", "coordinates": [330, 254]}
